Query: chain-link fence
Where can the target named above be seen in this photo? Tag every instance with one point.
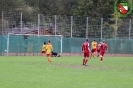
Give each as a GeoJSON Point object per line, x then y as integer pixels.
{"type": "Point", "coordinates": [118, 33]}
{"type": "Point", "coordinates": [68, 26]}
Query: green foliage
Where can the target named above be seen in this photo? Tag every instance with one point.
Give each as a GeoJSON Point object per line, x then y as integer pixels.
{"type": "Point", "coordinates": [63, 7]}
{"type": "Point", "coordinates": [99, 8]}
{"type": "Point", "coordinates": [79, 8]}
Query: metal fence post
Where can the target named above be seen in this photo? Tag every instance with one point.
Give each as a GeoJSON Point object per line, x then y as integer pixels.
{"type": "Point", "coordinates": [38, 29]}
{"type": "Point", "coordinates": [115, 36]}
{"type": "Point", "coordinates": [2, 22]}
{"type": "Point", "coordinates": [101, 27]}
{"type": "Point", "coordinates": [7, 51]}
{"type": "Point", "coordinates": [87, 27]}
{"type": "Point", "coordinates": [130, 23]}
{"type": "Point", "coordinates": [116, 28]}
{"type": "Point", "coordinates": [38, 23]}
{"type": "Point", "coordinates": [2, 34]}
{"type": "Point", "coordinates": [71, 26]}
{"type": "Point", "coordinates": [21, 22]}
{"type": "Point", "coordinates": [55, 23]}
{"type": "Point", "coordinates": [61, 44]}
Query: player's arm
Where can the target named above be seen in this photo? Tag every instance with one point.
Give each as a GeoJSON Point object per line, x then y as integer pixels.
{"type": "Point", "coordinates": [42, 46]}
{"type": "Point", "coordinates": [89, 48]}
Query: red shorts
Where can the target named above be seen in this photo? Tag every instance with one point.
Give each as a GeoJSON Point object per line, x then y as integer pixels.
{"type": "Point", "coordinates": [47, 55]}
{"type": "Point", "coordinates": [102, 53]}
{"type": "Point", "coordinates": [94, 50]}
{"type": "Point", "coordinates": [43, 51]}
{"type": "Point", "coordinates": [98, 50]}
{"type": "Point", "coordinates": [86, 54]}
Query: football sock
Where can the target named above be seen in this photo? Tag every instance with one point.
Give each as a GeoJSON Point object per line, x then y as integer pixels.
{"type": "Point", "coordinates": [86, 61]}
{"type": "Point", "coordinates": [101, 59]}
{"type": "Point", "coordinates": [94, 55]}
{"type": "Point", "coordinates": [91, 55]}
{"type": "Point", "coordinates": [49, 59]}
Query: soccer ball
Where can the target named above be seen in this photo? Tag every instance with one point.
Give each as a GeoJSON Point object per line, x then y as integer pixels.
{"type": "Point", "coordinates": [5, 50]}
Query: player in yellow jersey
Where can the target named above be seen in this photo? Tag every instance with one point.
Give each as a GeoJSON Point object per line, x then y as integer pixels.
{"type": "Point", "coordinates": [94, 48]}
{"type": "Point", "coordinates": [49, 49]}
{"type": "Point", "coordinates": [43, 49]}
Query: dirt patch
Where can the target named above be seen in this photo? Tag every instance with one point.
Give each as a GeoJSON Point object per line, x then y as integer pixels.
{"type": "Point", "coordinates": [82, 66]}
{"type": "Point", "coordinates": [74, 66]}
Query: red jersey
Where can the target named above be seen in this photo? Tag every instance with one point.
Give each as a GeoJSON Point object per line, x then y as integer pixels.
{"type": "Point", "coordinates": [98, 47]}
{"type": "Point", "coordinates": [103, 47]}
{"type": "Point", "coordinates": [85, 47]}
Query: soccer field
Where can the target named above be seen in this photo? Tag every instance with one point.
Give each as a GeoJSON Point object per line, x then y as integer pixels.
{"type": "Point", "coordinates": [65, 72]}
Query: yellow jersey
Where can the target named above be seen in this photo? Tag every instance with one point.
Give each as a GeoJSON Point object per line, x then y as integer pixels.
{"type": "Point", "coordinates": [49, 48]}
{"type": "Point", "coordinates": [94, 45]}
{"type": "Point", "coordinates": [43, 47]}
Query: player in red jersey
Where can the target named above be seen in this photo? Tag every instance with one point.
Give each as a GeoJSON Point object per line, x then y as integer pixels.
{"type": "Point", "coordinates": [85, 50]}
{"type": "Point", "coordinates": [103, 49]}
{"type": "Point", "coordinates": [98, 49]}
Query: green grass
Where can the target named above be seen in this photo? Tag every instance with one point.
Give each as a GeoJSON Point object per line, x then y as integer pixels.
{"type": "Point", "coordinates": [65, 72]}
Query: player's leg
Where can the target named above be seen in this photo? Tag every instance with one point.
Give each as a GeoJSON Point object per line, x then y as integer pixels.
{"type": "Point", "coordinates": [101, 56]}
{"type": "Point", "coordinates": [48, 57]}
{"type": "Point", "coordinates": [86, 58]}
{"type": "Point", "coordinates": [42, 53]}
{"type": "Point", "coordinates": [98, 51]}
{"type": "Point", "coordinates": [95, 52]}
{"type": "Point", "coordinates": [84, 61]}
{"type": "Point", "coordinates": [91, 53]}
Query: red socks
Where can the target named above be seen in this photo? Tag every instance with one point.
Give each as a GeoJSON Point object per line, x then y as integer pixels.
{"type": "Point", "coordinates": [86, 61]}
{"type": "Point", "coordinates": [101, 59]}
{"type": "Point", "coordinates": [83, 61]}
